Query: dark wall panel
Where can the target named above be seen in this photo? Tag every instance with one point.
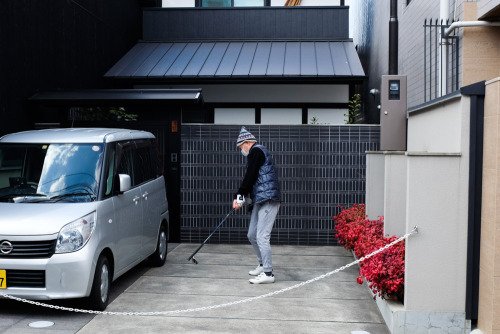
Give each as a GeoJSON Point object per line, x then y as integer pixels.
{"type": "Point", "coordinates": [301, 23]}
{"type": "Point", "coordinates": [320, 168]}
{"type": "Point", "coordinates": [49, 45]}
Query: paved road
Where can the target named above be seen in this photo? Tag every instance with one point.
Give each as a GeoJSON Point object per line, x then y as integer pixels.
{"type": "Point", "coordinates": [336, 304]}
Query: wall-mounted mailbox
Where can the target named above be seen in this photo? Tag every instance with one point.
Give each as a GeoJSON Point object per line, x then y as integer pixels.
{"type": "Point", "coordinates": [393, 113]}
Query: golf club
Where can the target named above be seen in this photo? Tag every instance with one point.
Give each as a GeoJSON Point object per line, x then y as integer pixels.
{"type": "Point", "coordinates": [247, 201]}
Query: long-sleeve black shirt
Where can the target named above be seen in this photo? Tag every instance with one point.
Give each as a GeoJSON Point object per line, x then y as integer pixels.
{"type": "Point", "coordinates": [256, 159]}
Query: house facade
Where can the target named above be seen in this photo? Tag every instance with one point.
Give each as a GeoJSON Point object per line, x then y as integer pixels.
{"type": "Point", "coordinates": [444, 181]}
{"type": "Point", "coordinates": [193, 72]}
{"type": "Point", "coordinates": [287, 74]}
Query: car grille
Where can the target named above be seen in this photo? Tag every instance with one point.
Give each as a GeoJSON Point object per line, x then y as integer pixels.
{"type": "Point", "coordinates": [25, 278]}
{"type": "Point", "coordinates": [31, 249]}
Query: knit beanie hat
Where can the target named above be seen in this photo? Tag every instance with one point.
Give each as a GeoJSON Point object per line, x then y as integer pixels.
{"type": "Point", "coordinates": [245, 136]}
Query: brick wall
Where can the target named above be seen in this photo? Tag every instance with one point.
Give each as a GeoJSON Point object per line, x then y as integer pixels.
{"type": "Point", "coordinates": [320, 168]}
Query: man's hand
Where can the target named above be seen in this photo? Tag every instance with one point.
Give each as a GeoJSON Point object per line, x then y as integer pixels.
{"type": "Point", "coordinates": [239, 202]}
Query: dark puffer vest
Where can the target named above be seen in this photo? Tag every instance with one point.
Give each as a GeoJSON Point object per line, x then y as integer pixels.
{"type": "Point", "coordinates": [266, 187]}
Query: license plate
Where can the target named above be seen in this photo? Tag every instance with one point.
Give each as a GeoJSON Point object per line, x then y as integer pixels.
{"type": "Point", "coordinates": [3, 279]}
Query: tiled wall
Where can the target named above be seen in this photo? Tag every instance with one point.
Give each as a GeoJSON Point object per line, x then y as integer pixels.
{"type": "Point", "coordinates": [320, 168]}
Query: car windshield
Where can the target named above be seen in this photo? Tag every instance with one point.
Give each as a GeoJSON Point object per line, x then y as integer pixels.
{"type": "Point", "coordinates": [49, 172]}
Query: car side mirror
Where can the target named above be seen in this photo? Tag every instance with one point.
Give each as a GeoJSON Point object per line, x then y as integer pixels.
{"type": "Point", "coordinates": [125, 182]}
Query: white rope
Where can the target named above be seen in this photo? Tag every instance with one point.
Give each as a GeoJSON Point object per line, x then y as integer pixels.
{"type": "Point", "coordinates": [415, 230]}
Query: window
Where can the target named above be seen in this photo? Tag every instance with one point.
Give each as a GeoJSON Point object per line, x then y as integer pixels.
{"type": "Point", "coordinates": [63, 170]}
{"type": "Point", "coordinates": [233, 3]}
{"type": "Point", "coordinates": [139, 159]}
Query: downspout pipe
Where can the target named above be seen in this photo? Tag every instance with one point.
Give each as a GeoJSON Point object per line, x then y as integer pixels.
{"type": "Point", "coordinates": [461, 24]}
{"type": "Point", "coordinates": [393, 38]}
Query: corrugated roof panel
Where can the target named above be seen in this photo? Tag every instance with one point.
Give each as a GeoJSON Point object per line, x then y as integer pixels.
{"type": "Point", "coordinates": [354, 62]}
{"type": "Point", "coordinates": [183, 60]}
{"type": "Point", "coordinates": [239, 59]}
{"type": "Point", "coordinates": [214, 59]}
{"type": "Point", "coordinates": [228, 62]}
{"type": "Point", "coordinates": [341, 63]}
{"type": "Point", "coordinates": [308, 59]}
{"type": "Point", "coordinates": [245, 59]}
{"type": "Point", "coordinates": [167, 60]}
{"type": "Point", "coordinates": [117, 69]}
{"type": "Point", "coordinates": [276, 59]}
{"type": "Point", "coordinates": [324, 59]}
{"type": "Point", "coordinates": [198, 60]}
{"type": "Point", "coordinates": [292, 59]}
{"type": "Point", "coordinates": [261, 59]}
{"type": "Point", "coordinates": [152, 60]}
{"type": "Point", "coordinates": [138, 60]}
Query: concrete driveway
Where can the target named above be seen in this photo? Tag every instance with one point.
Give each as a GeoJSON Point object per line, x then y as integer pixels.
{"type": "Point", "coordinates": [336, 304]}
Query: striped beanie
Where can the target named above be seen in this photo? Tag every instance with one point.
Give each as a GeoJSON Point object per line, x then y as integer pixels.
{"type": "Point", "coordinates": [245, 136]}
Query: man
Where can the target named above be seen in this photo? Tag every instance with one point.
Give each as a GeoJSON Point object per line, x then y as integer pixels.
{"type": "Point", "coordinates": [261, 182]}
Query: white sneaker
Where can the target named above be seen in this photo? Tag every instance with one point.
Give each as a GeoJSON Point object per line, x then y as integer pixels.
{"type": "Point", "coordinates": [256, 271]}
{"type": "Point", "coordinates": [262, 279]}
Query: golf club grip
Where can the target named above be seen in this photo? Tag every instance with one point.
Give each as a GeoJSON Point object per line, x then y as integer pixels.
{"type": "Point", "coordinates": [203, 243]}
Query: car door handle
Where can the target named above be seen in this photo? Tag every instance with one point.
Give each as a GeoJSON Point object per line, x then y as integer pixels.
{"type": "Point", "coordinates": [136, 199]}
{"type": "Point", "coordinates": [145, 195]}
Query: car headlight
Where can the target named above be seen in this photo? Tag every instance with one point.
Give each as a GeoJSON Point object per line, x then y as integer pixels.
{"type": "Point", "coordinates": [75, 235]}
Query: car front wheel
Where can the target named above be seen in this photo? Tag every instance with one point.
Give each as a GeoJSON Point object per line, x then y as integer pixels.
{"type": "Point", "coordinates": [99, 295]}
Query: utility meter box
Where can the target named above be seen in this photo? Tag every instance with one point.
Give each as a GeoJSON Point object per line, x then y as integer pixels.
{"type": "Point", "coordinates": [393, 109]}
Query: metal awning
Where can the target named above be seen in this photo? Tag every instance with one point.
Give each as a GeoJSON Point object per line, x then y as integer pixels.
{"type": "Point", "coordinates": [243, 61]}
{"type": "Point", "coordinates": [118, 96]}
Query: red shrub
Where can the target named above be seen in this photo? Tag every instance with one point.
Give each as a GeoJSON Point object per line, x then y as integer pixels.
{"type": "Point", "coordinates": [384, 271]}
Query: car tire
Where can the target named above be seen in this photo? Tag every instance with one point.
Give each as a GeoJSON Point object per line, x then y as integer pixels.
{"type": "Point", "coordinates": [158, 258]}
{"type": "Point", "coordinates": [99, 295]}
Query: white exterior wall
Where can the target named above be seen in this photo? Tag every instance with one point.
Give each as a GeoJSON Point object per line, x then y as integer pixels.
{"type": "Point", "coordinates": [375, 165]}
{"type": "Point", "coordinates": [435, 277]}
{"type": "Point", "coordinates": [437, 131]}
{"type": "Point", "coordinates": [485, 6]}
{"type": "Point", "coordinates": [281, 116]}
{"type": "Point", "coordinates": [427, 186]}
{"type": "Point", "coordinates": [437, 202]}
{"type": "Point", "coordinates": [234, 116]}
{"type": "Point", "coordinates": [178, 3]}
{"type": "Point", "coordinates": [327, 116]}
{"type": "Point", "coordinates": [395, 193]}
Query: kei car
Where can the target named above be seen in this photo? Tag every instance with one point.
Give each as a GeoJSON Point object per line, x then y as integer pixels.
{"type": "Point", "coordinates": [79, 207]}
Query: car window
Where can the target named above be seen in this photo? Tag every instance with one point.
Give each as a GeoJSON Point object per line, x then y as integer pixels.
{"type": "Point", "coordinates": [144, 162]}
{"type": "Point", "coordinates": [139, 159]}
{"type": "Point", "coordinates": [126, 165]}
{"type": "Point", "coordinates": [62, 172]}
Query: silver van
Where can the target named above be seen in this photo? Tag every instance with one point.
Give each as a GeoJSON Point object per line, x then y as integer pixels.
{"type": "Point", "coordinates": [78, 208]}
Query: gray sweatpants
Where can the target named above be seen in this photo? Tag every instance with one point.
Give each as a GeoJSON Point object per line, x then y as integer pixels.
{"type": "Point", "coordinates": [259, 231]}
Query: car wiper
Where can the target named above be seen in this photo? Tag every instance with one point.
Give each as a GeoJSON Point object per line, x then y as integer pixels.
{"type": "Point", "coordinates": [63, 196]}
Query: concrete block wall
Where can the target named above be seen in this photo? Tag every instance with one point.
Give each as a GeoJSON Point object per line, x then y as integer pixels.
{"type": "Point", "coordinates": [427, 186]}
{"type": "Point", "coordinates": [320, 168]}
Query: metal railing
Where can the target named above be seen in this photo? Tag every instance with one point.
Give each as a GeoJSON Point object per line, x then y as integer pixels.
{"type": "Point", "coordinates": [441, 60]}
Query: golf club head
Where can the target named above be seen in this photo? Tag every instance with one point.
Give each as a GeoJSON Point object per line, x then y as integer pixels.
{"type": "Point", "coordinates": [194, 260]}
